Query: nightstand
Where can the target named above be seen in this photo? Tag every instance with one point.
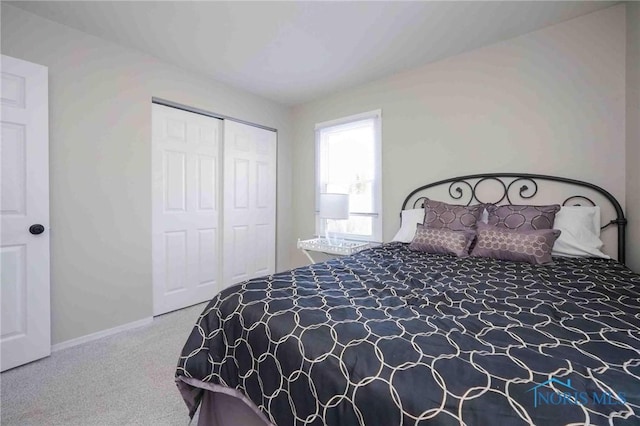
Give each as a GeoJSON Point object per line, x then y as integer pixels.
{"type": "Point", "coordinates": [339, 248]}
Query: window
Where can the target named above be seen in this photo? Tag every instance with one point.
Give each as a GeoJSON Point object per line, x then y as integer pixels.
{"type": "Point", "coordinates": [348, 161]}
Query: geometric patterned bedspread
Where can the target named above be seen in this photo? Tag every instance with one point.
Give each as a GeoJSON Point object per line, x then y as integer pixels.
{"type": "Point", "coordinates": [391, 336]}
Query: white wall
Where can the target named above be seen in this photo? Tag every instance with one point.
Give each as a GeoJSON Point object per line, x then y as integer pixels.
{"type": "Point", "coordinates": [551, 102]}
{"type": "Point", "coordinates": [633, 134]}
{"type": "Point", "coordinates": [100, 165]}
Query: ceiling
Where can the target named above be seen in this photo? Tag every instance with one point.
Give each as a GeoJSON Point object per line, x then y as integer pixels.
{"type": "Point", "coordinates": [296, 51]}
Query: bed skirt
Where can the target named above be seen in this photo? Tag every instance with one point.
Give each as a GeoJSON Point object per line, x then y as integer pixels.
{"type": "Point", "coordinates": [220, 405]}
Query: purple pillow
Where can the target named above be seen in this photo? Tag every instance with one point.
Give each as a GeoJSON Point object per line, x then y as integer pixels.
{"type": "Point", "coordinates": [533, 246]}
{"type": "Point", "coordinates": [442, 241]}
{"type": "Point", "coordinates": [523, 218]}
{"type": "Point", "coordinates": [451, 216]}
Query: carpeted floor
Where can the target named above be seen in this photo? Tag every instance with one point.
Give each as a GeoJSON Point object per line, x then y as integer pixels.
{"type": "Point", "coordinates": [125, 379]}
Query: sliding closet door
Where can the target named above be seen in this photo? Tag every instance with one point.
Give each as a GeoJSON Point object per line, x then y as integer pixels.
{"type": "Point", "coordinates": [185, 205]}
{"type": "Point", "coordinates": [249, 202]}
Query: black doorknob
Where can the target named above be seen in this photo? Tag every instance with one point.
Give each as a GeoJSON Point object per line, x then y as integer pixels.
{"type": "Point", "coordinates": [36, 229]}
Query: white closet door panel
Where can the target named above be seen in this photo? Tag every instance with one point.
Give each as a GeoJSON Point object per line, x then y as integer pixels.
{"type": "Point", "coordinates": [263, 180]}
{"type": "Point", "coordinates": [207, 181]}
{"type": "Point", "coordinates": [185, 204]}
{"type": "Point", "coordinates": [240, 259]}
{"type": "Point", "coordinates": [263, 249]}
{"type": "Point", "coordinates": [175, 181]}
{"type": "Point", "coordinates": [207, 257]}
{"type": "Point", "coordinates": [24, 201]}
{"type": "Point", "coordinates": [175, 261]}
{"type": "Point", "coordinates": [241, 183]}
{"type": "Point", "coordinates": [249, 202]}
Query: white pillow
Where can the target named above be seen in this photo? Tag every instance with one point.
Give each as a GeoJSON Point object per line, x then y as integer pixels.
{"type": "Point", "coordinates": [580, 235]}
{"type": "Point", "coordinates": [408, 225]}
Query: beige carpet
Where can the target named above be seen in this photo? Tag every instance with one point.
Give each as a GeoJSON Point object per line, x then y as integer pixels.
{"type": "Point", "coordinates": [125, 379]}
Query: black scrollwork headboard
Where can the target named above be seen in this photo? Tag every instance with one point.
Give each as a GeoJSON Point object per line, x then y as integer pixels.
{"type": "Point", "coordinates": [518, 188]}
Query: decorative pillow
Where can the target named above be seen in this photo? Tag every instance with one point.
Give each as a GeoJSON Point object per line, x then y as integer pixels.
{"type": "Point", "coordinates": [533, 246]}
{"type": "Point", "coordinates": [523, 218]}
{"type": "Point", "coordinates": [408, 222]}
{"type": "Point", "coordinates": [442, 241]}
{"type": "Point", "coordinates": [580, 228]}
{"type": "Point", "coordinates": [451, 216]}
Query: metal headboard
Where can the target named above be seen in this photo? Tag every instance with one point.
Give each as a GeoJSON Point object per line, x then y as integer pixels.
{"type": "Point", "coordinates": [528, 188]}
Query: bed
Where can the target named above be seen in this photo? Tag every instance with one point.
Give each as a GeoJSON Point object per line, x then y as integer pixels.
{"type": "Point", "coordinates": [393, 336]}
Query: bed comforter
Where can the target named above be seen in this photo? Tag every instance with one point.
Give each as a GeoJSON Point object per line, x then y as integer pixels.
{"type": "Point", "coordinates": [394, 337]}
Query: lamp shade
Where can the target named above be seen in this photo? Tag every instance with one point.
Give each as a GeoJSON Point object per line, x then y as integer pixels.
{"type": "Point", "coordinates": [334, 206]}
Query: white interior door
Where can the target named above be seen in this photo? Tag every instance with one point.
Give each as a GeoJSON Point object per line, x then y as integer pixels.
{"type": "Point", "coordinates": [185, 240]}
{"type": "Point", "coordinates": [249, 202]}
{"type": "Point", "coordinates": [24, 162]}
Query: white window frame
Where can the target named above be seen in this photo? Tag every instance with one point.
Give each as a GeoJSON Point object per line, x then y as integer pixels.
{"type": "Point", "coordinates": [377, 185]}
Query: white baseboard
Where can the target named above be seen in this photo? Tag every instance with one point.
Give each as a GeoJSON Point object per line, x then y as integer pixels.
{"type": "Point", "coordinates": [100, 334]}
